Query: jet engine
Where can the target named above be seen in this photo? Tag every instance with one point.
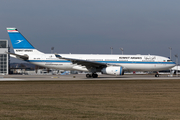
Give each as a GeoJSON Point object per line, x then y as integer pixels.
{"type": "Point", "coordinates": [113, 70]}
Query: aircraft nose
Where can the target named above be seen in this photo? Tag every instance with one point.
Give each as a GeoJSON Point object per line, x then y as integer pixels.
{"type": "Point", "coordinates": [173, 64]}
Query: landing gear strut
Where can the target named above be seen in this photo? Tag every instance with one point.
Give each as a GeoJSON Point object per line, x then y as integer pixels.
{"type": "Point", "coordinates": [94, 75]}
{"type": "Point", "coordinates": [156, 75]}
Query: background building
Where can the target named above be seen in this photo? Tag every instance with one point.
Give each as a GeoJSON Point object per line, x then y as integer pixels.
{"type": "Point", "coordinates": [4, 58]}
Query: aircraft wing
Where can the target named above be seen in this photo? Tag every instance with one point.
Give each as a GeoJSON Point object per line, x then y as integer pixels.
{"type": "Point", "coordinates": [88, 64]}
{"type": "Point", "coordinates": [24, 57]}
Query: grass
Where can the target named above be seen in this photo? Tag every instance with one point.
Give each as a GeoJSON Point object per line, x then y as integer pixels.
{"type": "Point", "coordinates": [44, 100]}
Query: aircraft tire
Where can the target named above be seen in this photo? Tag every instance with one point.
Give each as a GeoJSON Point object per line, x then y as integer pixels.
{"type": "Point", "coordinates": [88, 76]}
{"type": "Point", "coordinates": [94, 75]}
{"type": "Point", "coordinates": [156, 75]}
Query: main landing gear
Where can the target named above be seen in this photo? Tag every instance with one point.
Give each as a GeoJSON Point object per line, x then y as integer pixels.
{"type": "Point", "coordinates": [94, 75]}
{"type": "Point", "coordinates": [157, 74]}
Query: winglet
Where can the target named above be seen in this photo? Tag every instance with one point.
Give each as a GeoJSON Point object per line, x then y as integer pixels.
{"type": "Point", "coordinates": [57, 55]}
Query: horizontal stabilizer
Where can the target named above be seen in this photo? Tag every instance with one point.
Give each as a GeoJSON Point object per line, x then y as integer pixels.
{"type": "Point", "coordinates": [23, 57]}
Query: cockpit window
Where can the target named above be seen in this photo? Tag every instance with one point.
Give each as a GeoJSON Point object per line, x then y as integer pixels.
{"type": "Point", "coordinates": [169, 60]}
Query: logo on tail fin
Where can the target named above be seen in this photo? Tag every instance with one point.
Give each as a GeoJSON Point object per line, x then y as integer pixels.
{"type": "Point", "coordinates": [18, 41]}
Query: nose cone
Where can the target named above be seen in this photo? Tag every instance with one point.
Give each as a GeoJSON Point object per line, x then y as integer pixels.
{"type": "Point", "coordinates": [173, 64]}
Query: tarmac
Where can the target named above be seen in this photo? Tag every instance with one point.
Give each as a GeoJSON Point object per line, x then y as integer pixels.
{"type": "Point", "coordinates": [74, 77]}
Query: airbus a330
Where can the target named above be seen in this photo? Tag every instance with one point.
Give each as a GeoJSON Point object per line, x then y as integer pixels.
{"type": "Point", "coordinates": [93, 63]}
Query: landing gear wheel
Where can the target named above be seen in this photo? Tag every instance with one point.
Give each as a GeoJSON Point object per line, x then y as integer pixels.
{"type": "Point", "coordinates": [94, 75]}
{"type": "Point", "coordinates": [88, 75]}
{"type": "Point", "coordinates": [156, 75]}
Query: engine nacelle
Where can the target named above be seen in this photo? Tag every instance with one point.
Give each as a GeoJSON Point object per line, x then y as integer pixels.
{"type": "Point", "coordinates": [113, 70]}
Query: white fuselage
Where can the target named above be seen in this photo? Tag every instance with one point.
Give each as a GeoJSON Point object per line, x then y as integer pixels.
{"type": "Point", "coordinates": [128, 62]}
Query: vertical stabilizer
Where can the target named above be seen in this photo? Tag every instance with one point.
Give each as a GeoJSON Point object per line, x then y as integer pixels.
{"type": "Point", "coordinates": [20, 44]}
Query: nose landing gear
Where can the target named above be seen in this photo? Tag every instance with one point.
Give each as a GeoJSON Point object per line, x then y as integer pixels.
{"type": "Point", "coordinates": [156, 75]}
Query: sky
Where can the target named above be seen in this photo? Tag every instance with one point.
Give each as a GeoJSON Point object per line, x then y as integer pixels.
{"type": "Point", "coordinates": [93, 26]}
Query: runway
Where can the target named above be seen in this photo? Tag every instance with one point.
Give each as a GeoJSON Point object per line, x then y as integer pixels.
{"type": "Point", "coordinates": [74, 77]}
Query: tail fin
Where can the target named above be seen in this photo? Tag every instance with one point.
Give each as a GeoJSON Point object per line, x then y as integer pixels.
{"type": "Point", "coordinates": [20, 44]}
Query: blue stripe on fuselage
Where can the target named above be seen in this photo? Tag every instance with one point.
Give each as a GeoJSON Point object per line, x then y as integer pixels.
{"type": "Point", "coordinates": [133, 62]}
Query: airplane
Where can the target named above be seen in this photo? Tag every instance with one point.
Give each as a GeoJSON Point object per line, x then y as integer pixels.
{"type": "Point", "coordinates": [92, 63]}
